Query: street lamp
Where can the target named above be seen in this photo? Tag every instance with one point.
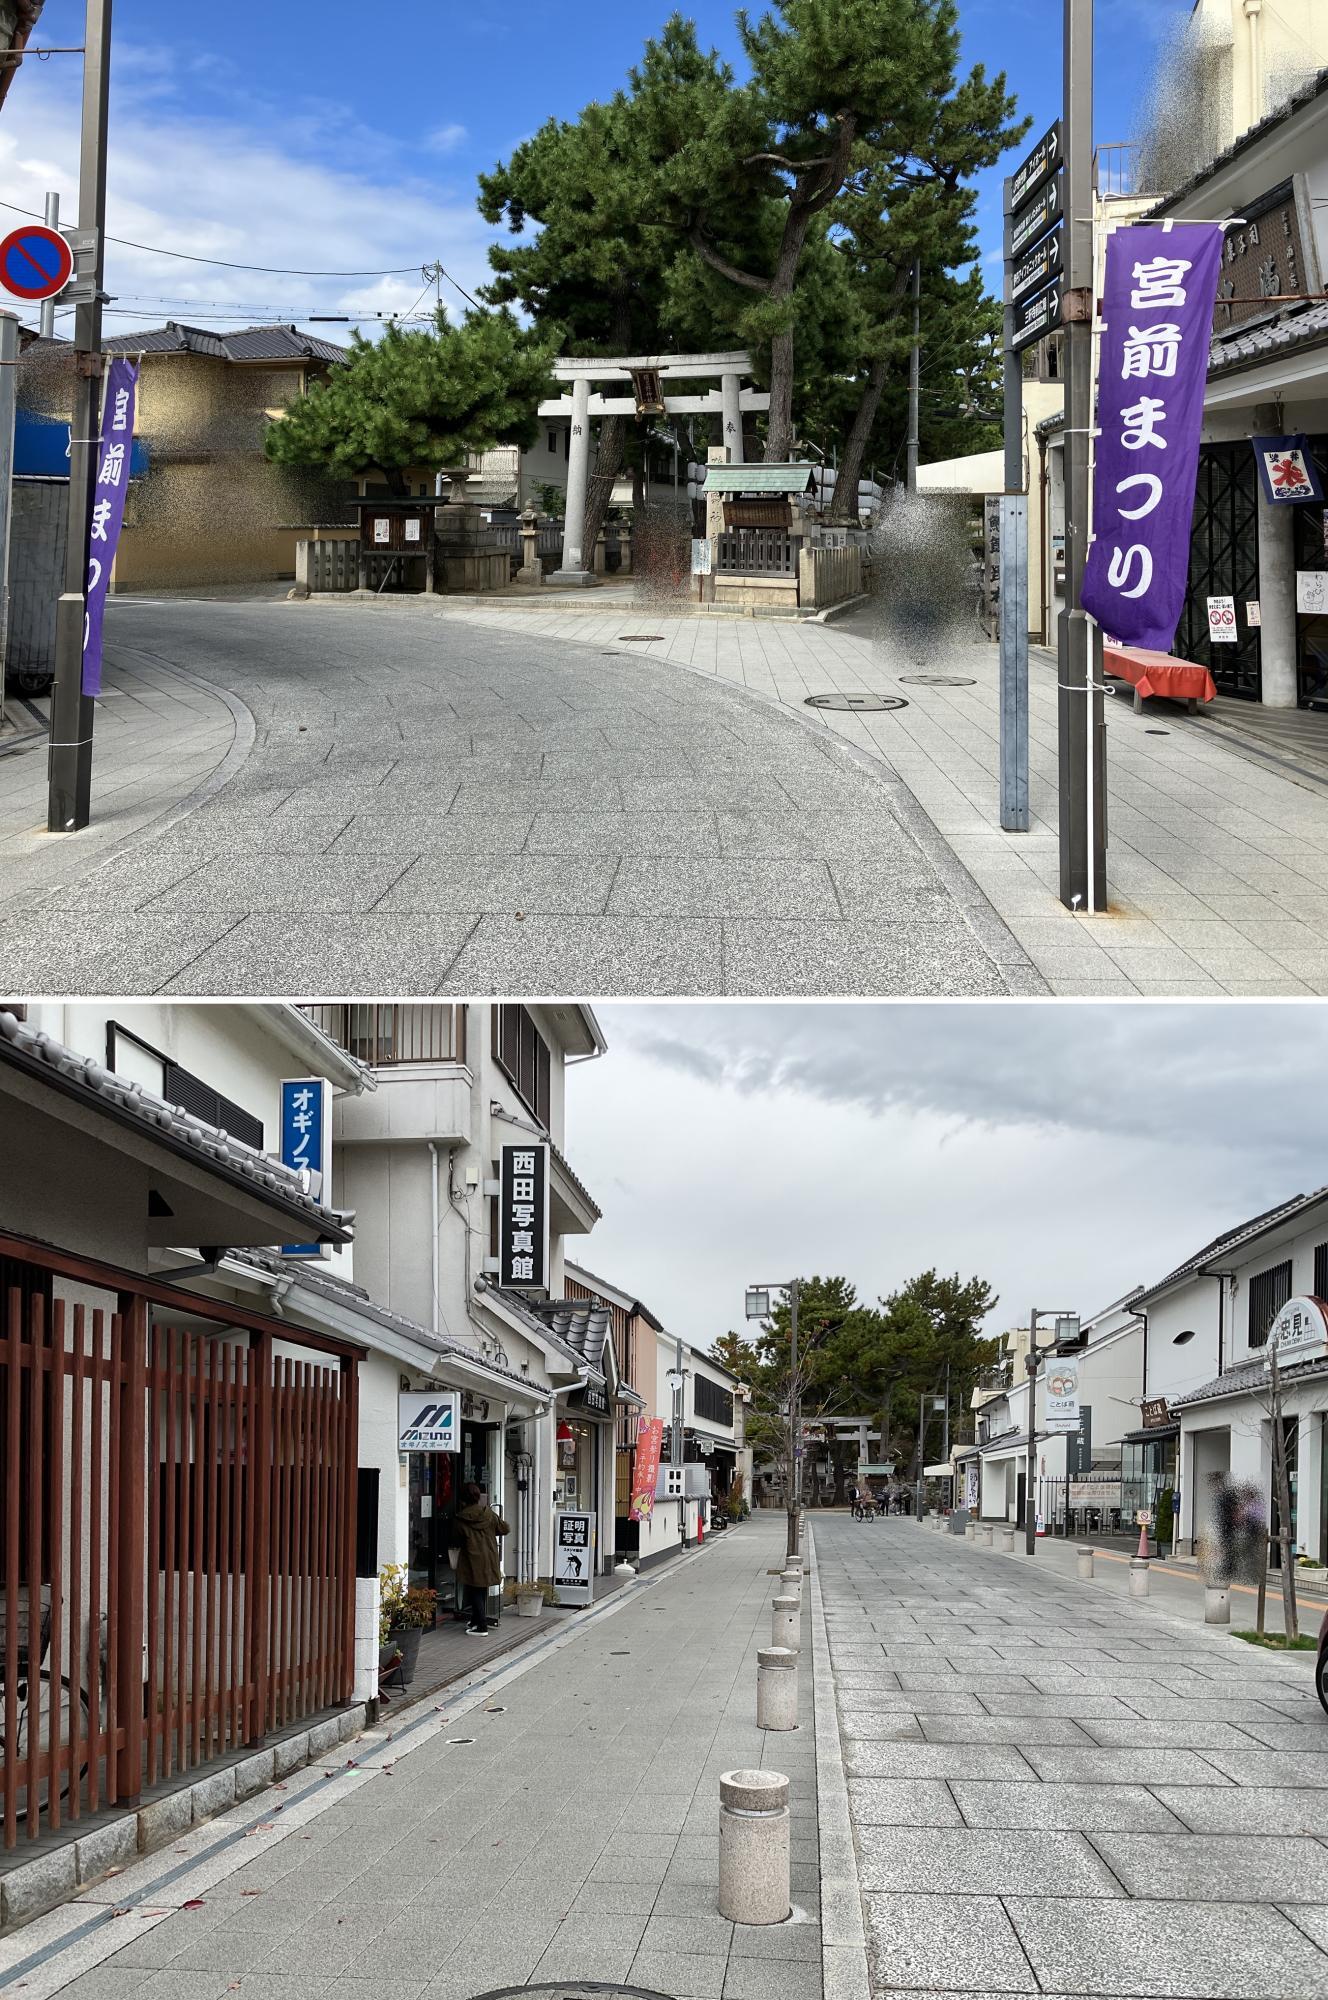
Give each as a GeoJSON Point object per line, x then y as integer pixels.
{"type": "Point", "coordinates": [1067, 1332]}
{"type": "Point", "coordinates": [758, 1307]}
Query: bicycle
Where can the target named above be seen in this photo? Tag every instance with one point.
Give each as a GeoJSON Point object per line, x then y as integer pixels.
{"type": "Point", "coordinates": [33, 1712]}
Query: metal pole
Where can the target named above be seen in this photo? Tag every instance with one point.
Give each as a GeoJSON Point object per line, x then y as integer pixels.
{"type": "Point", "coordinates": [1014, 571]}
{"type": "Point", "coordinates": [46, 323]}
{"type": "Point", "coordinates": [8, 401]}
{"type": "Point", "coordinates": [70, 760]}
{"type": "Point", "coordinates": [1082, 728]}
{"type": "Point", "coordinates": [1030, 1504]}
{"type": "Point", "coordinates": [922, 1449]}
{"type": "Point", "coordinates": [911, 478]}
{"type": "Point", "coordinates": [795, 1424]}
{"type": "Point", "coordinates": [675, 1434]}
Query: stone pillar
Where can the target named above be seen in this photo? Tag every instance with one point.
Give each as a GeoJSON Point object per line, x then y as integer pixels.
{"type": "Point", "coordinates": [777, 1688]}
{"type": "Point", "coordinates": [625, 549]}
{"type": "Point", "coordinates": [365, 1686]}
{"type": "Point", "coordinates": [1138, 1576]}
{"type": "Point", "coordinates": [1085, 1564]}
{"type": "Point", "coordinates": [988, 1535]}
{"type": "Point", "coordinates": [530, 571]}
{"type": "Point", "coordinates": [1217, 1605]}
{"type": "Point", "coordinates": [970, 1531]}
{"type": "Point", "coordinates": [784, 1623]}
{"type": "Point", "coordinates": [1277, 584]}
{"type": "Point", "coordinates": [730, 389]}
{"type": "Point", "coordinates": [754, 1847]}
{"type": "Point", "coordinates": [573, 569]}
{"type": "Point", "coordinates": [1007, 1540]}
{"type": "Point", "coordinates": [601, 553]}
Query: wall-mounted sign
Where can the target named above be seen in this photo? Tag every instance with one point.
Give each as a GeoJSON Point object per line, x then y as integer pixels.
{"type": "Point", "coordinates": [1037, 317]}
{"type": "Point", "coordinates": [428, 1420]}
{"type": "Point", "coordinates": [645, 1468]}
{"type": "Point", "coordinates": [523, 1219]}
{"type": "Point", "coordinates": [1312, 589]}
{"type": "Point", "coordinates": [573, 1557]}
{"type": "Point", "coordinates": [1037, 168]}
{"type": "Point", "coordinates": [1062, 1409]}
{"type": "Point", "coordinates": [592, 1397]}
{"type": "Point", "coordinates": [306, 1142]}
{"type": "Point", "coordinates": [1300, 1330]}
{"type": "Point", "coordinates": [1038, 217]}
{"type": "Point", "coordinates": [701, 555]}
{"type": "Point", "coordinates": [1222, 622]}
{"type": "Point", "coordinates": [1155, 1412]}
{"type": "Point", "coordinates": [1039, 267]}
{"type": "Point", "coordinates": [1287, 471]}
{"type": "Point", "coordinates": [1253, 613]}
{"type": "Point", "coordinates": [1265, 255]}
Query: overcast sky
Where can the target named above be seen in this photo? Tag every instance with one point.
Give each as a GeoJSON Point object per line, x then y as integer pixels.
{"type": "Point", "coordinates": [1065, 1152]}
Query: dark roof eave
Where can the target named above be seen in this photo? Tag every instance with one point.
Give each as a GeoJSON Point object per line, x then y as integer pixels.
{"type": "Point", "coordinates": [1247, 141]}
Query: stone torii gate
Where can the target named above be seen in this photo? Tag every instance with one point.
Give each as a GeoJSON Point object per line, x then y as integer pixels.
{"type": "Point", "coordinates": [649, 375]}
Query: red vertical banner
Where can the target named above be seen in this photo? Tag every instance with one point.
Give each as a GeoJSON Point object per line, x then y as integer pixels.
{"type": "Point", "coordinates": [645, 1476]}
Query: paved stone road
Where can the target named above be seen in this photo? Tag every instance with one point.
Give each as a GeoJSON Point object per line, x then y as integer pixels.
{"type": "Point", "coordinates": [575, 1838]}
{"type": "Point", "coordinates": [1057, 1792]}
{"type": "Point", "coordinates": [434, 807]}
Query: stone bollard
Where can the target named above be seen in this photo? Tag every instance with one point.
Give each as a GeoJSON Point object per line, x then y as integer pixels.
{"type": "Point", "coordinates": [1138, 1576]}
{"type": "Point", "coordinates": [970, 1532]}
{"type": "Point", "coordinates": [1217, 1604]}
{"type": "Point", "coordinates": [784, 1622]}
{"type": "Point", "coordinates": [754, 1847]}
{"type": "Point", "coordinates": [790, 1583]}
{"type": "Point", "coordinates": [777, 1688]}
{"type": "Point", "coordinates": [1007, 1540]}
{"type": "Point", "coordinates": [1085, 1564]}
{"type": "Point", "coordinates": [988, 1535]}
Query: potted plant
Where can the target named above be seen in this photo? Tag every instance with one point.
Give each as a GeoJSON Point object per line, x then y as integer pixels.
{"type": "Point", "coordinates": [529, 1599]}
{"type": "Point", "coordinates": [405, 1611]}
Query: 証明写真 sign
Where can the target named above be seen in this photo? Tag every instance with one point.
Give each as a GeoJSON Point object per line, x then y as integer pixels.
{"type": "Point", "coordinates": [573, 1557]}
{"type": "Point", "coordinates": [428, 1420]}
{"type": "Point", "coordinates": [523, 1221]}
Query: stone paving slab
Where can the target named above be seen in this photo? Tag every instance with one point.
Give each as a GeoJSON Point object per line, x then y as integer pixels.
{"type": "Point", "coordinates": [1149, 1858]}
{"type": "Point", "coordinates": [595, 822]}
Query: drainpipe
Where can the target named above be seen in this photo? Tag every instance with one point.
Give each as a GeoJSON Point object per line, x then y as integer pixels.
{"type": "Point", "coordinates": [433, 1179]}
{"type": "Point", "coordinates": [1044, 591]}
{"type": "Point", "coordinates": [1254, 15]}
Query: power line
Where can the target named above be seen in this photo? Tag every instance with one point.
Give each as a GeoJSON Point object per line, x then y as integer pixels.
{"type": "Point", "coordinates": [225, 264]}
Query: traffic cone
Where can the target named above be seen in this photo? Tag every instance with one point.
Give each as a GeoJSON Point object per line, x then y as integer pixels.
{"type": "Point", "coordinates": [1142, 1551]}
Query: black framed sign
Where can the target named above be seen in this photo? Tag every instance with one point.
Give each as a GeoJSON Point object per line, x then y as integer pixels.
{"type": "Point", "coordinates": [523, 1218]}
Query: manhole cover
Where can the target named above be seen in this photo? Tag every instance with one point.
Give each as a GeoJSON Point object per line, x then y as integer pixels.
{"type": "Point", "coordinates": [575, 1992]}
{"type": "Point", "coordinates": [631, 639]}
{"type": "Point", "coordinates": [855, 701]}
{"type": "Point", "coordinates": [936, 681]}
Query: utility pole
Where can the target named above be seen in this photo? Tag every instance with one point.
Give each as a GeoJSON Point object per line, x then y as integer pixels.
{"type": "Point", "coordinates": [914, 370]}
{"type": "Point", "coordinates": [8, 403]}
{"type": "Point", "coordinates": [46, 325]}
{"type": "Point", "coordinates": [795, 1425]}
{"type": "Point", "coordinates": [675, 1434]}
{"type": "Point", "coordinates": [70, 758]}
{"type": "Point", "coordinates": [1282, 1488]}
{"type": "Point", "coordinates": [1013, 567]}
{"type": "Point", "coordinates": [1082, 727]}
{"type": "Point", "coordinates": [1030, 1502]}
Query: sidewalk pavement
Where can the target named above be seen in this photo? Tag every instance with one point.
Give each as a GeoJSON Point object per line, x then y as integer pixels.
{"type": "Point", "coordinates": [1218, 824]}
{"type": "Point", "coordinates": [554, 1821]}
{"type": "Point", "coordinates": [1060, 1792]}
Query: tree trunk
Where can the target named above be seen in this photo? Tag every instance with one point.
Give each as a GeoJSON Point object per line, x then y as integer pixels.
{"type": "Point", "coordinates": [1282, 1480]}
{"type": "Point", "coordinates": [844, 506]}
{"type": "Point", "coordinates": [599, 492]}
{"type": "Point", "coordinates": [779, 433]}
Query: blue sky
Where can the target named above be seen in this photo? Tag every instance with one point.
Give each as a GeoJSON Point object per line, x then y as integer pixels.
{"type": "Point", "coordinates": [339, 138]}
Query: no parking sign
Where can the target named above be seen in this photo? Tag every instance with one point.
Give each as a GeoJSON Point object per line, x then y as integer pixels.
{"type": "Point", "coordinates": [1222, 622]}
{"type": "Point", "coordinates": [35, 262]}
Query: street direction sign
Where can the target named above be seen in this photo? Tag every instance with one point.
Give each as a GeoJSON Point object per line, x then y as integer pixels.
{"type": "Point", "coordinates": [1038, 217]}
{"type": "Point", "coordinates": [1036, 317]}
{"type": "Point", "coordinates": [1039, 267]}
{"type": "Point", "coordinates": [35, 262]}
{"type": "Point", "coordinates": [1037, 168]}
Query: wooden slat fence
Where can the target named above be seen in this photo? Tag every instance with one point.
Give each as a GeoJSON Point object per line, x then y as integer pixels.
{"type": "Point", "coordinates": [177, 1554]}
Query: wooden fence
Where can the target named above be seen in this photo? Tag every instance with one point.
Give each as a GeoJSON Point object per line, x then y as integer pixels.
{"type": "Point", "coordinates": [177, 1568]}
{"type": "Point", "coordinates": [756, 552]}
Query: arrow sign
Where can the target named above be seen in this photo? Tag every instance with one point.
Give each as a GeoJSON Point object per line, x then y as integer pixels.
{"type": "Point", "coordinates": [1040, 165]}
{"type": "Point", "coordinates": [35, 262]}
{"type": "Point", "coordinates": [1038, 218]}
{"type": "Point", "coordinates": [1038, 316]}
{"type": "Point", "coordinates": [1038, 268]}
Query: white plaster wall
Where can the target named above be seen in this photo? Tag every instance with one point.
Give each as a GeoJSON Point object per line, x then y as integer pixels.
{"type": "Point", "coordinates": [1172, 1370]}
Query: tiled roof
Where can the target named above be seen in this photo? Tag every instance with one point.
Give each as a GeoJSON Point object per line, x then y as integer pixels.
{"type": "Point", "coordinates": [1317, 86]}
{"type": "Point", "coordinates": [40, 1054]}
{"type": "Point", "coordinates": [343, 1292]}
{"type": "Point", "coordinates": [607, 1289]}
{"type": "Point", "coordinates": [1231, 1239]}
{"type": "Point", "coordinates": [1249, 1375]}
{"type": "Point", "coordinates": [569, 1323]}
{"type": "Point", "coordinates": [246, 343]}
{"type": "Point", "coordinates": [1243, 346]}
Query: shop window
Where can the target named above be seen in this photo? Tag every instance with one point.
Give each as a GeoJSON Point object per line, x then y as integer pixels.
{"type": "Point", "coordinates": [522, 1054]}
{"type": "Point", "coordinates": [711, 1402]}
{"type": "Point", "coordinates": [1321, 1270]}
{"type": "Point", "coordinates": [1269, 1292]}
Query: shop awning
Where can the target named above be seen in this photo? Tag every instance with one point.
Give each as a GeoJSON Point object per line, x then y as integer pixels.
{"type": "Point", "coordinates": [1003, 1447]}
{"type": "Point", "coordinates": [1147, 1437]}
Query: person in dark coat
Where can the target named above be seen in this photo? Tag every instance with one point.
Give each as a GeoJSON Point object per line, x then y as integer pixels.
{"type": "Point", "coordinates": [479, 1565]}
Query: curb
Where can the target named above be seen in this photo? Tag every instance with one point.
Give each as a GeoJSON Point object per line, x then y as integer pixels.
{"type": "Point", "coordinates": [844, 1973]}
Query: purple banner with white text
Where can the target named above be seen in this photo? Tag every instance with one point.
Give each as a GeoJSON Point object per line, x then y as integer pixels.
{"type": "Point", "coordinates": [108, 505]}
{"type": "Point", "coordinates": [1160, 291]}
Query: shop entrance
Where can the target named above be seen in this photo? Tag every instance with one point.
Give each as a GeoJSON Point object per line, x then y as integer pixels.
{"type": "Point", "coordinates": [1312, 629]}
{"type": "Point", "coordinates": [1224, 562]}
{"type": "Point", "coordinates": [436, 1480]}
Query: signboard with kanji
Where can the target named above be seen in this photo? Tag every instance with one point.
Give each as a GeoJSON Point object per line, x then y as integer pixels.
{"type": "Point", "coordinates": [573, 1557]}
{"type": "Point", "coordinates": [306, 1142]}
{"type": "Point", "coordinates": [523, 1220]}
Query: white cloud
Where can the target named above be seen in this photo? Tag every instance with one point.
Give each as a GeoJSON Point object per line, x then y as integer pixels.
{"type": "Point", "coordinates": [201, 162]}
{"type": "Point", "coordinates": [447, 138]}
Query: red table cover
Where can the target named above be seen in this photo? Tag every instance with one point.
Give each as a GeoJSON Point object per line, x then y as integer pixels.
{"type": "Point", "coordinates": [1159, 673]}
